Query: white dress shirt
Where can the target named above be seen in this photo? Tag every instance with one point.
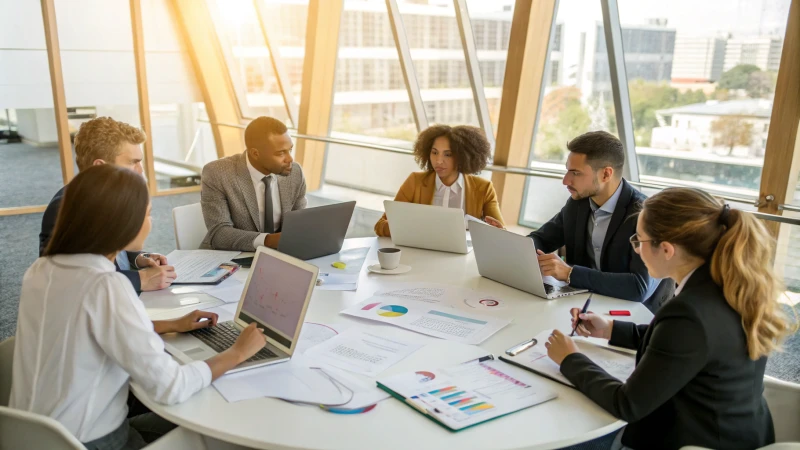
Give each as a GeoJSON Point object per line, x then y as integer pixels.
{"type": "Point", "coordinates": [257, 176]}
{"type": "Point", "coordinates": [82, 336]}
{"type": "Point", "coordinates": [449, 196]}
{"type": "Point", "coordinates": [683, 282]}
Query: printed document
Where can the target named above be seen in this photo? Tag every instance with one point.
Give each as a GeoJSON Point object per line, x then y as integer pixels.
{"type": "Point", "coordinates": [344, 279]}
{"type": "Point", "coordinates": [433, 320]}
{"type": "Point", "coordinates": [198, 266]}
{"type": "Point", "coordinates": [618, 364]}
{"type": "Point", "coordinates": [361, 352]}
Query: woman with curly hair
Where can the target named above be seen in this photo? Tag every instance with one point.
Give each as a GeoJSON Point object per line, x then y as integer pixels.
{"type": "Point", "coordinates": [451, 157]}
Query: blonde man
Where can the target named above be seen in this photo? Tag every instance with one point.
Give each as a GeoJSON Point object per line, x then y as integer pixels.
{"type": "Point", "coordinates": [105, 141]}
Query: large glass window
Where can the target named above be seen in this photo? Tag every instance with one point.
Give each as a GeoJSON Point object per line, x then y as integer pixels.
{"type": "Point", "coordinates": [576, 98]}
{"type": "Point", "coordinates": [702, 80]}
{"type": "Point", "coordinates": [28, 137]}
{"type": "Point", "coordinates": [248, 59]}
{"type": "Point", "coordinates": [182, 139]}
{"type": "Point", "coordinates": [286, 24]}
{"type": "Point", "coordinates": [491, 28]}
{"type": "Point", "coordinates": [438, 57]}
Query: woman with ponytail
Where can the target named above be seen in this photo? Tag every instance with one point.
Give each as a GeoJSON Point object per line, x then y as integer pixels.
{"type": "Point", "coordinates": [700, 362]}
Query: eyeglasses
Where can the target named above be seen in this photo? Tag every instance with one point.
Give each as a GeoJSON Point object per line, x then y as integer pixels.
{"type": "Point", "coordinates": [636, 243]}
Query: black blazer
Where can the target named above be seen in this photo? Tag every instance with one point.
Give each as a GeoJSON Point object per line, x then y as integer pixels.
{"type": "Point", "coordinates": [694, 383]}
{"type": "Point", "coordinates": [624, 275]}
{"type": "Point", "coordinates": [49, 223]}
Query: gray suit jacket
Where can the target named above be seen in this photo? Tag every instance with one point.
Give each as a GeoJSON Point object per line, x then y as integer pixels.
{"type": "Point", "coordinates": [230, 208]}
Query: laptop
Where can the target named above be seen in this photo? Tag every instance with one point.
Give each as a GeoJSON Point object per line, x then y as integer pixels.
{"type": "Point", "coordinates": [428, 227]}
{"type": "Point", "coordinates": [510, 258]}
{"type": "Point", "coordinates": [276, 296]}
{"type": "Point", "coordinates": [313, 232]}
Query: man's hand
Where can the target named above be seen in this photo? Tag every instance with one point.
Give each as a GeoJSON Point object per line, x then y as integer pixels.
{"type": "Point", "coordinates": [157, 277]}
{"type": "Point", "coordinates": [145, 260]}
{"type": "Point", "coordinates": [493, 222]}
{"type": "Point", "coordinates": [272, 240]}
{"type": "Point", "coordinates": [189, 322]}
{"type": "Point", "coordinates": [559, 346]}
{"type": "Point", "coordinates": [553, 266]}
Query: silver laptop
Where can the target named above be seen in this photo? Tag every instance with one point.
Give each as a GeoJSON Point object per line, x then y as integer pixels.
{"type": "Point", "coordinates": [313, 232]}
{"type": "Point", "coordinates": [510, 258]}
{"type": "Point", "coordinates": [276, 296]}
{"type": "Point", "coordinates": [428, 227]}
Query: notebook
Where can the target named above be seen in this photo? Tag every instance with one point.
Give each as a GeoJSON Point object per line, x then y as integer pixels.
{"type": "Point", "coordinates": [617, 363]}
{"type": "Point", "coordinates": [468, 394]}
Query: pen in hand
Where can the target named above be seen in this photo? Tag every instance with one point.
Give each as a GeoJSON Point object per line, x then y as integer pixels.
{"type": "Point", "coordinates": [583, 311]}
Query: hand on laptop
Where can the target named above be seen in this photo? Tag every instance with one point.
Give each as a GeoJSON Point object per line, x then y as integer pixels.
{"type": "Point", "coordinates": [189, 322]}
{"type": "Point", "coordinates": [493, 222]}
{"type": "Point", "coordinates": [250, 341]}
{"type": "Point", "coordinates": [272, 240]}
{"type": "Point", "coordinates": [553, 266]}
{"type": "Point", "coordinates": [157, 277]}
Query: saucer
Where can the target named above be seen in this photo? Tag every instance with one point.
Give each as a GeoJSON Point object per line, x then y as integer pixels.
{"type": "Point", "coordinates": [376, 268]}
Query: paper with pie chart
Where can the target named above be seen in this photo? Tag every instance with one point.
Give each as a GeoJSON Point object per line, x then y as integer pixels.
{"type": "Point", "coordinates": [438, 321]}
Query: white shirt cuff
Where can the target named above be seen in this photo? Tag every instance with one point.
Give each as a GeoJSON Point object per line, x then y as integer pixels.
{"type": "Point", "coordinates": [204, 370]}
{"type": "Point", "coordinates": [259, 240]}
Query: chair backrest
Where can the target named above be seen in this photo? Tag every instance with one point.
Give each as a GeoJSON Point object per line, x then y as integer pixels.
{"type": "Point", "coordinates": [22, 429]}
{"type": "Point", "coordinates": [783, 399]}
{"type": "Point", "coordinates": [190, 227]}
{"type": "Point", "coordinates": [6, 360]}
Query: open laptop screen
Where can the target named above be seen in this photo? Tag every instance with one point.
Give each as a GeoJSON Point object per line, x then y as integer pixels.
{"type": "Point", "coordinates": [275, 297]}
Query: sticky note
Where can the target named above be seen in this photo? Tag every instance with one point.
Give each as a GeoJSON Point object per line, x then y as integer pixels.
{"type": "Point", "coordinates": [339, 265]}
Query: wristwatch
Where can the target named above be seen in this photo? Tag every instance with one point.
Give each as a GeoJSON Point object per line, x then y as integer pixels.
{"type": "Point", "coordinates": [143, 255]}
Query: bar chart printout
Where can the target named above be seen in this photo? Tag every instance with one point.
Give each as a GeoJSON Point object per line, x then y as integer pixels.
{"type": "Point", "coordinates": [469, 394]}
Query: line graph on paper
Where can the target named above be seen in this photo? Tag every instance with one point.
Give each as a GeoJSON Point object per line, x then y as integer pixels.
{"type": "Point", "coordinates": [276, 293]}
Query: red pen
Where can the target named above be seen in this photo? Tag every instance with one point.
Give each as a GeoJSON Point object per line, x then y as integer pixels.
{"type": "Point", "coordinates": [619, 312]}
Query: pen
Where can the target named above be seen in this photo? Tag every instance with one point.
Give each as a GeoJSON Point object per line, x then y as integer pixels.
{"type": "Point", "coordinates": [521, 347]}
{"type": "Point", "coordinates": [480, 360]}
{"type": "Point", "coordinates": [583, 311]}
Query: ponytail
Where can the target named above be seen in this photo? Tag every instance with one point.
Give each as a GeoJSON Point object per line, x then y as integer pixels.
{"type": "Point", "coordinates": [739, 249]}
{"type": "Point", "coordinates": [742, 265]}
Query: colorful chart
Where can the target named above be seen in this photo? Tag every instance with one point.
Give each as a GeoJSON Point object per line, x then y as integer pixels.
{"type": "Point", "coordinates": [392, 311]}
{"type": "Point", "coordinates": [424, 377]}
{"type": "Point", "coordinates": [370, 306]}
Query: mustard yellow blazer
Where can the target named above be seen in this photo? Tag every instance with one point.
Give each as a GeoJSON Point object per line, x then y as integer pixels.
{"type": "Point", "coordinates": [480, 198]}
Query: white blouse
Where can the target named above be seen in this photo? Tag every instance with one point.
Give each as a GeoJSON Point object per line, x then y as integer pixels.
{"type": "Point", "coordinates": [82, 336]}
{"type": "Point", "coordinates": [449, 196]}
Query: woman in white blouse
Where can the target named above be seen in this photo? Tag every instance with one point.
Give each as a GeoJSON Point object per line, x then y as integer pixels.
{"type": "Point", "coordinates": [82, 333]}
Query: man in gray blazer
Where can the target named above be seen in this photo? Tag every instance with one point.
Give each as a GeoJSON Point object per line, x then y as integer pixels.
{"type": "Point", "coordinates": [244, 196]}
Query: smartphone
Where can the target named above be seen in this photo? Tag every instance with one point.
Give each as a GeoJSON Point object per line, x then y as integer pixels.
{"type": "Point", "coordinates": [244, 262]}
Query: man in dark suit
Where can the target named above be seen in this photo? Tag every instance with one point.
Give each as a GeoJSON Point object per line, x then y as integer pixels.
{"type": "Point", "coordinates": [101, 141]}
{"type": "Point", "coordinates": [596, 224]}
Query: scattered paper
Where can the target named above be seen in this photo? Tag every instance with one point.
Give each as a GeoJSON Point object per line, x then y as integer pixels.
{"type": "Point", "coordinates": [336, 279]}
{"type": "Point", "coordinates": [423, 292]}
{"type": "Point", "coordinates": [433, 320]}
{"type": "Point", "coordinates": [484, 302]}
{"type": "Point", "coordinates": [229, 291]}
{"type": "Point", "coordinates": [317, 333]}
{"type": "Point", "coordinates": [198, 266]}
{"type": "Point", "coordinates": [291, 381]}
{"type": "Point", "coordinates": [225, 313]}
{"type": "Point", "coordinates": [361, 352]}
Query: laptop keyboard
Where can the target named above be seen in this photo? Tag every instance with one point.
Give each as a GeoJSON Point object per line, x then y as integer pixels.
{"type": "Point", "coordinates": [222, 337]}
{"type": "Point", "coordinates": [549, 289]}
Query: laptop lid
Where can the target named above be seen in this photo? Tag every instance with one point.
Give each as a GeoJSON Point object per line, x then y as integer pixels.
{"type": "Point", "coordinates": [507, 258]}
{"type": "Point", "coordinates": [313, 232]}
{"type": "Point", "coordinates": [276, 296]}
{"type": "Point", "coordinates": [426, 226]}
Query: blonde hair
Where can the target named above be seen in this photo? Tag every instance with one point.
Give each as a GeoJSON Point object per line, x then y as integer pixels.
{"type": "Point", "coordinates": [740, 251]}
{"type": "Point", "coordinates": [101, 138]}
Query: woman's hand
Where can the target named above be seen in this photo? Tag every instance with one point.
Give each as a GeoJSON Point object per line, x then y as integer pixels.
{"type": "Point", "coordinates": [192, 321]}
{"type": "Point", "coordinates": [559, 346]}
{"type": "Point", "coordinates": [591, 324]}
{"type": "Point", "coordinates": [493, 222]}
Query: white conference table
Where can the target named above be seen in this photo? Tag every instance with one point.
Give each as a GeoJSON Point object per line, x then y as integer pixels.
{"type": "Point", "coordinates": [267, 423]}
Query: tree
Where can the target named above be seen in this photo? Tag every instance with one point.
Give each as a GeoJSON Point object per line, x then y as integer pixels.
{"type": "Point", "coordinates": [731, 131]}
{"type": "Point", "coordinates": [648, 97]}
{"type": "Point", "coordinates": [761, 84]}
{"type": "Point", "coordinates": [737, 77]}
{"type": "Point", "coordinates": [563, 117]}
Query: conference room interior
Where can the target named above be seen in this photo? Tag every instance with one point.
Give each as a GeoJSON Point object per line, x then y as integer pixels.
{"type": "Point", "coordinates": [701, 95]}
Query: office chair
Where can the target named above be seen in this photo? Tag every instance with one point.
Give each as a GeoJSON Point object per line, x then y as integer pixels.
{"type": "Point", "coordinates": [190, 227]}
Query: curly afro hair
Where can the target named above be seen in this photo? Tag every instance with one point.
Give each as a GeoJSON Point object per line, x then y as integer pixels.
{"type": "Point", "coordinates": [470, 148]}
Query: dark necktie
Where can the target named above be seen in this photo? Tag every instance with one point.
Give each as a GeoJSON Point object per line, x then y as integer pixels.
{"type": "Point", "coordinates": [269, 224]}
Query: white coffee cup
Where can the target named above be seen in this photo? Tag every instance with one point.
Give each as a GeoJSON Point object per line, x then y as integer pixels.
{"type": "Point", "coordinates": [389, 257]}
